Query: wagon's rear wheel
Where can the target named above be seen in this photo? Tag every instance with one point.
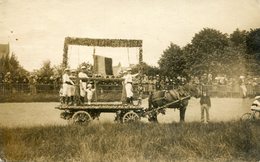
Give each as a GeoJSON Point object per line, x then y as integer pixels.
{"type": "Point", "coordinates": [247, 117]}
{"type": "Point", "coordinates": [81, 118]}
{"type": "Point", "coordinates": [130, 117]}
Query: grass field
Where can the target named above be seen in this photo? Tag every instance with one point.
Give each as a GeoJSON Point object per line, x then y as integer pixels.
{"type": "Point", "coordinates": [34, 132]}
{"type": "Point", "coordinates": [230, 141]}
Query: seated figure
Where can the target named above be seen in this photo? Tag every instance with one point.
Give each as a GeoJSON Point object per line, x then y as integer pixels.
{"type": "Point", "coordinates": [256, 104]}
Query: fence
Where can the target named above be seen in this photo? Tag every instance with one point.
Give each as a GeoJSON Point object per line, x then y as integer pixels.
{"type": "Point", "coordinates": [6, 89]}
{"type": "Point", "coordinates": [214, 90]}
{"type": "Point", "coordinates": [231, 91]}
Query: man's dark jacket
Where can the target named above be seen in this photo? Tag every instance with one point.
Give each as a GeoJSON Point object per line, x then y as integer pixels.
{"type": "Point", "coordinates": [205, 100]}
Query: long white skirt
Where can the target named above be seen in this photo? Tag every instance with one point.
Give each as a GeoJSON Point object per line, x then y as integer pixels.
{"type": "Point", "coordinates": [68, 90]}
{"type": "Point", "coordinates": [82, 87]}
{"type": "Point", "coordinates": [129, 90]}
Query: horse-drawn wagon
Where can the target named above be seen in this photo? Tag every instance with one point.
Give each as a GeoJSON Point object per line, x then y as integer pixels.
{"type": "Point", "coordinates": [157, 102]}
{"type": "Point", "coordinates": [83, 114]}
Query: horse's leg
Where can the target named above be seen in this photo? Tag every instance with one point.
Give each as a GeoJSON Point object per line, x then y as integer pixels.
{"type": "Point", "coordinates": [182, 113]}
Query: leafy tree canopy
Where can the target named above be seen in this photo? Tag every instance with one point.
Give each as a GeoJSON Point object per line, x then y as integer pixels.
{"type": "Point", "coordinates": [12, 65]}
{"type": "Point", "coordinates": [173, 62]}
{"type": "Point", "coordinates": [253, 41]}
{"type": "Point", "coordinates": [238, 38]}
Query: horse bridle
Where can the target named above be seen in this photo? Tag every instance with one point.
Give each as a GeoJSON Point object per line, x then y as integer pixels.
{"type": "Point", "coordinates": [161, 98]}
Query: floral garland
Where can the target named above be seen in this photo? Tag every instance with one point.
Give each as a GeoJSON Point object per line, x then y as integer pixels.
{"type": "Point", "coordinates": [100, 43]}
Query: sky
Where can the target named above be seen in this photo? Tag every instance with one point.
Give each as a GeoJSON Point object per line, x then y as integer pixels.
{"type": "Point", "coordinates": [35, 29]}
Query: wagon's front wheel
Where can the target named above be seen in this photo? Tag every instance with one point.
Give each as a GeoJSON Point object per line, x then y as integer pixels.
{"type": "Point", "coordinates": [130, 117]}
{"type": "Point", "coordinates": [81, 118]}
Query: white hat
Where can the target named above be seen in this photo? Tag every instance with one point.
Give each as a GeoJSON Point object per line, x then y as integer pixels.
{"type": "Point", "coordinates": [83, 67]}
{"type": "Point", "coordinates": [67, 69]}
{"type": "Point", "coordinates": [128, 69]}
{"type": "Point", "coordinates": [73, 71]}
{"type": "Point", "coordinates": [89, 85]}
{"type": "Point", "coordinates": [257, 97]}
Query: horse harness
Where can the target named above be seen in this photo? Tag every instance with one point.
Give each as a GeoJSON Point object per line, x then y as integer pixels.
{"type": "Point", "coordinates": [164, 99]}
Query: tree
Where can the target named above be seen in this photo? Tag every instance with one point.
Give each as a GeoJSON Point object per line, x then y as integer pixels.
{"type": "Point", "coordinates": [206, 51]}
{"type": "Point", "coordinates": [253, 41]}
{"type": "Point", "coordinates": [45, 73]}
{"type": "Point", "coordinates": [238, 38]}
{"type": "Point", "coordinates": [172, 62]}
{"type": "Point", "coordinates": [12, 65]}
{"type": "Point", "coordinates": [253, 50]}
{"type": "Point", "coordinates": [235, 62]}
{"type": "Point", "coordinates": [147, 69]}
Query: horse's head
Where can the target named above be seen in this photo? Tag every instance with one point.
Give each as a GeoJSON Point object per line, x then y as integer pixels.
{"type": "Point", "coordinates": [193, 89]}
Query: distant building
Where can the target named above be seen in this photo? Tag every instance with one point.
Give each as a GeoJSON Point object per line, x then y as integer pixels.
{"type": "Point", "coordinates": [4, 50]}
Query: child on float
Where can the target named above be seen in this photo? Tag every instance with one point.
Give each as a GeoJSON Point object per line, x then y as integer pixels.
{"type": "Point", "coordinates": [90, 91]}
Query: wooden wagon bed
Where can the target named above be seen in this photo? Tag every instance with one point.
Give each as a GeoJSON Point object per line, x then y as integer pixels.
{"type": "Point", "coordinates": [101, 107]}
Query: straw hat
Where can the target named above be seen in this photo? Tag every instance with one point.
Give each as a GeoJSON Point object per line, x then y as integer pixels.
{"type": "Point", "coordinates": [257, 97]}
{"type": "Point", "coordinates": [129, 69]}
{"type": "Point", "coordinates": [83, 67]}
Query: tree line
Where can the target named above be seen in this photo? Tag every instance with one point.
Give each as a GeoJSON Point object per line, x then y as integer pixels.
{"type": "Point", "coordinates": [214, 52]}
{"type": "Point", "coordinates": [210, 51]}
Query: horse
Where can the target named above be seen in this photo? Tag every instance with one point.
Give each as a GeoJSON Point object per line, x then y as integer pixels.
{"type": "Point", "coordinates": [181, 95]}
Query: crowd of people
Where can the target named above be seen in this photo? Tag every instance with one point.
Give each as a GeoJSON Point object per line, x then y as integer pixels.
{"type": "Point", "coordinates": [245, 85]}
{"type": "Point", "coordinates": [248, 86]}
{"type": "Point", "coordinates": [11, 83]}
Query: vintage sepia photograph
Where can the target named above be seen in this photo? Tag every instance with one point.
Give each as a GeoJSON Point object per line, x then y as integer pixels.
{"type": "Point", "coordinates": [129, 80]}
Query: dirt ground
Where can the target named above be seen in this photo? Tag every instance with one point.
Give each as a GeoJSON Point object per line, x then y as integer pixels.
{"type": "Point", "coordinates": [34, 114]}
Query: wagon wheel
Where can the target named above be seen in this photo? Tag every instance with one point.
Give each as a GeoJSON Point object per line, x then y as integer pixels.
{"type": "Point", "coordinates": [130, 117]}
{"type": "Point", "coordinates": [247, 117]}
{"type": "Point", "coordinates": [81, 118]}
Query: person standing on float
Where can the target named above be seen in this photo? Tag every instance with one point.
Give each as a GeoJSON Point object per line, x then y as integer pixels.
{"type": "Point", "coordinates": [128, 86]}
{"type": "Point", "coordinates": [67, 82]}
{"type": "Point", "coordinates": [82, 84]}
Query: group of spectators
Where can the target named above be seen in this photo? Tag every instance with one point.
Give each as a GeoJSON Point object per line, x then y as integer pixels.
{"type": "Point", "coordinates": [245, 85]}
{"type": "Point", "coordinates": [248, 86]}
{"type": "Point", "coordinates": [10, 83]}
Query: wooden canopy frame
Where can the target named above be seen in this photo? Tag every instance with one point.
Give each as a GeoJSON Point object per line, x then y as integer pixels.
{"type": "Point", "coordinates": [116, 43]}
